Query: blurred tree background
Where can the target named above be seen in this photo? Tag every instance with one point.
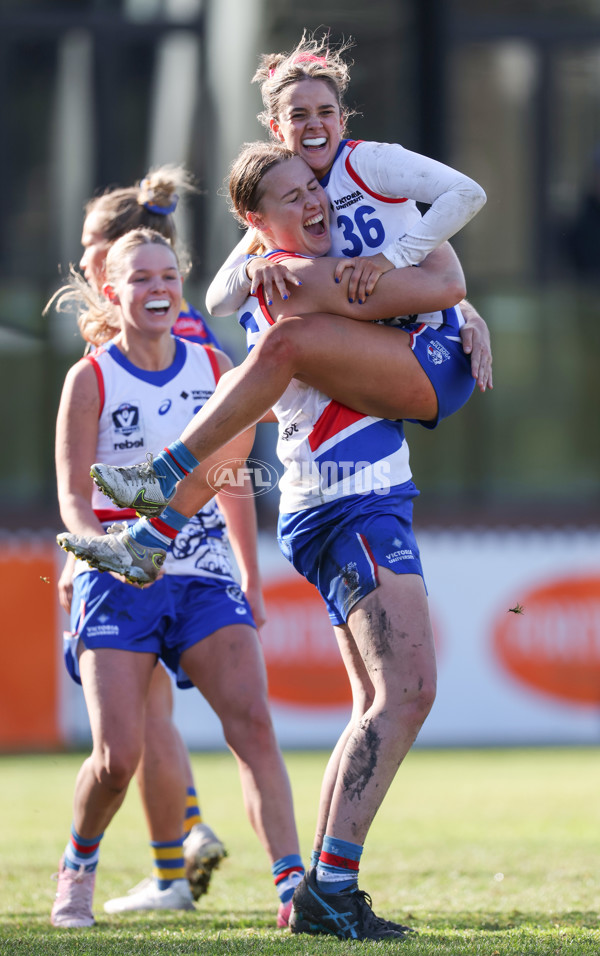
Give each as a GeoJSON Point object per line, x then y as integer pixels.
{"type": "Point", "coordinates": [94, 92]}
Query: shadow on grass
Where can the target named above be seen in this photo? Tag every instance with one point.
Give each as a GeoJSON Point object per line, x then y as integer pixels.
{"type": "Point", "coordinates": [258, 920]}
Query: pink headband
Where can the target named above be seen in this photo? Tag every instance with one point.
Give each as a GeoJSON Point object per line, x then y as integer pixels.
{"type": "Point", "coordinates": [304, 58]}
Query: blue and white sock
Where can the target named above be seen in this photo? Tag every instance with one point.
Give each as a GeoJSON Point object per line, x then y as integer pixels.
{"type": "Point", "coordinates": [82, 852]}
{"type": "Point", "coordinates": [287, 873]}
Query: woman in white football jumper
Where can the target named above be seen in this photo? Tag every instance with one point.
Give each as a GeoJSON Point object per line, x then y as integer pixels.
{"type": "Point", "coordinates": [346, 493]}
{"type": "Point", "coordinates": [372, 187]}
{"type": "Point", "coordinates": [195, 618]}
{"type": "Point", "coordinates": [164, 766]}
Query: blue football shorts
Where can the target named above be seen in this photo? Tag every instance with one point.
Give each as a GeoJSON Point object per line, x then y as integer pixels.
{"type": "Point", "coordinates": [175, 613]}
{"type": "Point", "coordinates": [441, 356]}
{"type": "Point", "coordinates": [339, 547]}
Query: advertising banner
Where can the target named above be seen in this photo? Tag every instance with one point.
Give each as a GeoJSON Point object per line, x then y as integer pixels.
{"type": "Point", "coordinates": [516, 618]}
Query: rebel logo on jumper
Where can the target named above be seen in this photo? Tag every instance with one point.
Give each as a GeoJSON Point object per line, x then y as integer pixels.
{"type": "Point", "coordinates": [126, 418]}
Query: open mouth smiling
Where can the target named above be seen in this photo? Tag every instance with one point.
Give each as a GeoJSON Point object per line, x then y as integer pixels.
{"type": "Point", "coordinates": [316, 225]}
{"type": "Point", "coordinates": [316, 143]}
{"type": "Point", "coordinates": [158, 306]}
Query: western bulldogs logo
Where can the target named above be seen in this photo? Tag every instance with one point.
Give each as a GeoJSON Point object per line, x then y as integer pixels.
{"type": "Point", "coordinates": [235, 593]}
{"type": "Point", "coordinates": [126, 419]}
{"type": "Point", "coordinates": [436, 353]}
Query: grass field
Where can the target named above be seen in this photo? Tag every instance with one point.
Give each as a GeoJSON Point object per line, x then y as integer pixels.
{"type": "Point", "coordinates": [484, 852]}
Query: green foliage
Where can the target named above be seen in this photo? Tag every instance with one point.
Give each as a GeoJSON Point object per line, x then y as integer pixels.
{"type": "Point", "coordinates": [485, 853]}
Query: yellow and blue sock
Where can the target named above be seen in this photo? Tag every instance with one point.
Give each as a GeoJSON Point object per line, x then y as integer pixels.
{"type": "Point", "coordinates": [193, 814]}
{"type": "Point", "coordinates": [82, 852]}
{"type": "Point", "coordinates": [337, 869]}
{"type": "Point", "coordinates": [169, 864]}
{"type": "Point", "coordinates": [287, 873]}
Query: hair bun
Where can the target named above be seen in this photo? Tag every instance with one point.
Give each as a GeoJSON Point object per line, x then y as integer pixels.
{"type": "Point", "coordinates": [158, 197]}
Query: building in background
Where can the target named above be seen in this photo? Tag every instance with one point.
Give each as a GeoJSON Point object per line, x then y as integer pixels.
{"type": "Point", "coordinates": [92, 93]}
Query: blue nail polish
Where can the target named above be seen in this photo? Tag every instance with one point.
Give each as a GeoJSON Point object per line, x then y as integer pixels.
{"type": "Point", "coordinates": [270, 302]}
{"type": "Point", "coordinates": [360, 301]}
{"type": "Point", "coordinates": [350, 300]}
{"type": "Point", "coordinates": [285, 297]}
{"type": "Point", "coordinates": [336, 279]}
{"type": "Point", "coordinates": [299, 283]}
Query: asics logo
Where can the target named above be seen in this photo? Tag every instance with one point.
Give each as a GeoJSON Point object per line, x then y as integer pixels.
{"type": "Point", "coordinates": [343, 921]}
